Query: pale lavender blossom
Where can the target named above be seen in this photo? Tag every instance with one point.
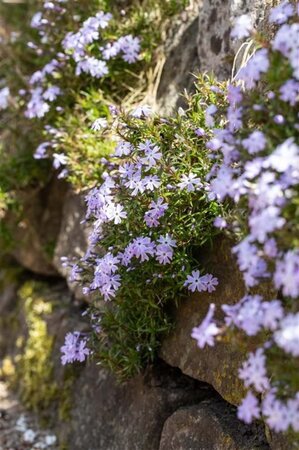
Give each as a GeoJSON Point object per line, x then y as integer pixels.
{"type": "Point", "coordinates": [281, 13]}
{"type": "Point", "coordinates": [164, 253]}
{"type": "Point", "coordinates": [74, 348]}
{"type": "Point", "coordinates": [287, 336]}
{"type": "Point", "coordinates": [256, 65]}
{"type": "Point", "coordinates": [249, 408]}
{"type": "Point", "coordinates": [205, 333]}
{"type": "Point", "coordinates": [255, 142]}
{"type": "Point", "coordinates": [41, 151]}
{"type": "Point", "coordinates": [220, 222]}
{"type": "Point", "coordinates": [209, 113]}
{"type": "Point", "coordinates": [123, 148]}
{"type": "Point", "coordinates": [286, 275]}
{"type": "Point", "coordinates": [115, 213]}
{"type": "Point", "coordinates": [289, 92]}
{"type": "Point", "coordinates": [52, 93]}
{"type": "Point", "coordinates": [167, 240]}
{"type": "Point", "coordinates": [151, 182]}
{"type": "Point", "coordinates": [190, 182]}
{"type": "Point", "coordinates": [196, 282]}
{"type": "Point", "coordinates": [243, 27]}
{"type": "Point", "coordinates": [143, 248]}
{"type": "Point", "coordinates": [142, 111]}
{"type": "Point", "coordinates": [99, 124]}
{"type": "Point", "coordinates": [60, 159]}
{"type": "Point", "coordinates": [253, 371]}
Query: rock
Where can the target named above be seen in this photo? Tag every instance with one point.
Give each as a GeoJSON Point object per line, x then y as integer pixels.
{"type": "Point", "coordinates": [202, 43]}
{"type": "Point", "coordinates": [72, 240]}
{"type": "Point", "coordinates": [181, 61]}
{"type": "Point", "coordinates": [216, 50]}
{"type": "Point", "coordinates": [130, 416]}
{"type": "Point", "coordinates": [216, 365]}
{"type": "Point", "coordinates": [211, 425]}
{"type": "Point", "coordinates": [35, 235]}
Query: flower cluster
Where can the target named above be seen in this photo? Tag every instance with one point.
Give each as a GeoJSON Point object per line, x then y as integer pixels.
{"type": "Point", "coordinates": [74, 348]}
{"type": "Point", "coordinates": [257, 168]}
{"type": "Point", "coordinates": [151, 210]}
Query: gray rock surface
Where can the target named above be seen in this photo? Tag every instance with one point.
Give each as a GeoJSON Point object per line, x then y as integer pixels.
{"type": "Point", "coordinates": [210, 425]}
{"type": "Point", "coordinates": [202, 43]}
{"type": "Point", "coordinates": [72, 239]}
{"type": "Point", "coordinates": [130, 416]}
{"type": "Point", "coordinates": [35, 235]}
{"type": "Point", "coordinates": [216, 365]}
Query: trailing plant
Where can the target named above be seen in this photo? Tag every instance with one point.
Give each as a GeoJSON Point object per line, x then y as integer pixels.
{"type": "Point", "coordinates": [151, 216]}
{"type": "Point", "coordinates": [257, 168]}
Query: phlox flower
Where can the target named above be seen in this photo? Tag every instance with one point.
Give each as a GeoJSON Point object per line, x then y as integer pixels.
{"type": "Point", "coordinates": [205, 333]}
{"type": "Point", "coordinates": [74, 348]}
{"type": "Point", "coordinates": [253, 371]}
{"type": "Point", "coordinates": [164, 253]}
{"type": "Point", "coordinates": [249, 408]}
{"type": "Point", "coordinates": [281, 13]}
{"type": "Point", "coordinates": [99, 124]}
{"type": "Point", "coordinates": [190, 182]}
{"type": "Point", "coordinates": [116, 213]}
{"type": "Point", "coordinates": [286, 275]}
{"type": "Point", "coordinates": [243, 27]}
{"type": "Point", "coordinates": [143, 248]}
{"type": "Point", "coordinates": [287, 336]}
{"type": "Point", "coordinates": [255, 142]}
{"type": "Point", "coordinates": [256, 65]}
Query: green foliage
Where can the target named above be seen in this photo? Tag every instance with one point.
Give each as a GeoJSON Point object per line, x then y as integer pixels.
{"type": "Point", "coordinates": [133, 323]}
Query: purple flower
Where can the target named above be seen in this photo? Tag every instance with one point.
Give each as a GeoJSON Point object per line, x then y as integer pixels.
{"type": "Point", "coordinates": [95, 67]}
{"type": "Point", "coordinates": [195, 282]}
{"type": "Point", "coordinates": [152, 154]}
{"type": "Point", "coordinates": [220, 222]}
{"type": "Point", "coordinates": [40, 152]}
{"type": "Point", "coordinates": [279, 119]}
{"type": "Point", "coordinates": [256, 65]}
{"type": "Point", "coordinates": [164, 253]}
{"type": "Point", "coordinates": [234, 95]}
{"type": "Point", "coordinates": [275, 412]}
{"type": "Point", "coordinates": [287, 336]}
{"type": "Point", "coordinates": [249, 409]}
{"type": "Point", "coordinates": [234, 117]}
{"type": "Point", "coordinates": [265, 222]}
{"type": "Point", "coordinates": [142, 111]}
{"type": "Point", "coordinates": [167, 240]}
{"type": "Point", "coordinates": [205, 333]}
{"type": "Point", "coordinates": [289, 92]}
{"type": "Point", "coordinates": [242, 27]}
{"type": "Point", "coordinates": [209, 113]}
{"type": "Point", "coordinates": [200, 132]}
{"type": "Point", "coordinates": [286, 275]}
{"type": "Point", "coordinates": [151, 182]}
{"type": "Point", "coordinates": [60, 159]}
{"type": "Point", "coordinates": [255, 142]}
{"type": "Point", "coordinates": [143, 247]}
{"type": "Point", "coordinates": [253, 371]}
{"type": "Point", "coordinates": [52, 93]}
{"type": "Point", "coordinates": [123, 148]}
{"type": "Point", "coordinates": [99, 124]}
{"type": "Point", "coordinates": [130, 47]}
{"type": "Point", "coordinates": [281, 13]}
{"type": "Point", "coordinates": [190, 182]}
{"type": "Point", "coordinates": [74, 349]}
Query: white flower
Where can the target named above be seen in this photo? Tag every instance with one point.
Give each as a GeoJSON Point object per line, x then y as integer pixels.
{"type": "Point", "coordinates": [29, 436]}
